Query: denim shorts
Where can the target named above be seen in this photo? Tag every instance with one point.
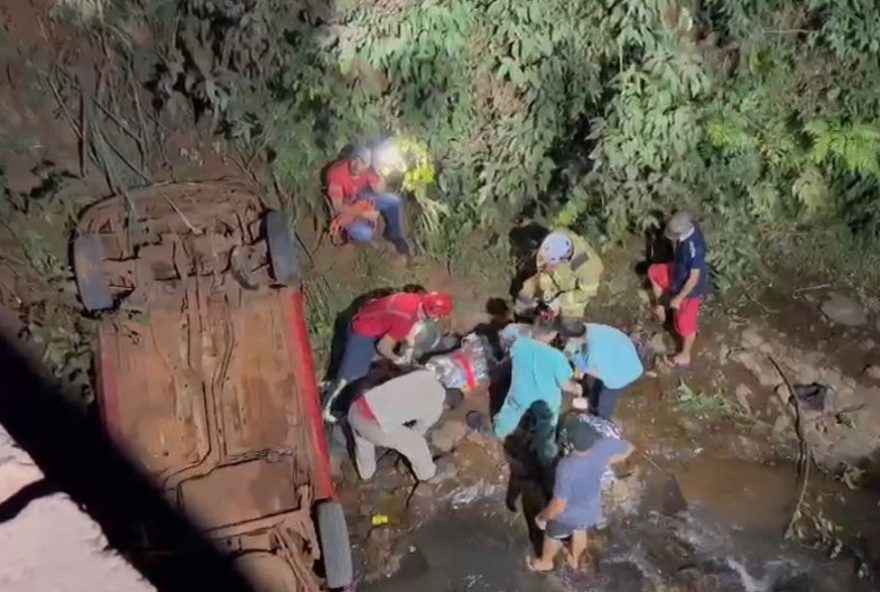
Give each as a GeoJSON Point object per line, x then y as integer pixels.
{"type": "Point", "coordinates": [559, 531]}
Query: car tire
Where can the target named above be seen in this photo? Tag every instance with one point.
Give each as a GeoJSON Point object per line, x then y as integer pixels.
{"type": "Point", "coordinates": [335, 546]}
{"type": "Point", "coordinates": [88, 256]}
{"type": "Point", "coordinates": [282, 249]}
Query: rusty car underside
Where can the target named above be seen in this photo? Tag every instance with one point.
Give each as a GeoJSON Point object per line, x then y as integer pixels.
{"type": "Point", "coordinates": [198, 374]}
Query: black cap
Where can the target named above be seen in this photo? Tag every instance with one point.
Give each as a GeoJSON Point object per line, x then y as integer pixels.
{"type": "Point", "coordinates": [581, 434]}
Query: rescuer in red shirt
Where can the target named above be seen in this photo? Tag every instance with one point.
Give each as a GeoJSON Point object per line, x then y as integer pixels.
{"type": "Point", "coordinates": [358, 197]}
{"type": "Point", "coordinates": [380, 325]}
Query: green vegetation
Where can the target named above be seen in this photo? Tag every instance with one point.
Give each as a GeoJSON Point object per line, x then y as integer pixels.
{"type": "Point", "coordinates": [705, 405]}
{"type": "Point", "coordinates": [760, 114]}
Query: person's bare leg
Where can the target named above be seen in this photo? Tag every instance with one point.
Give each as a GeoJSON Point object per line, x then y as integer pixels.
{"type": "Point", "coordinates": [578, 546]}
{"type": "Point", "coordinates": [548, 553]}
{"type": "Point", "coordinates": [659, 309]}
{"type": "Point", "coordinates": [684, 356]}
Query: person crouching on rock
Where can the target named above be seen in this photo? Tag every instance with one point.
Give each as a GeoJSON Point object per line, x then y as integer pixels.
{"type": "Point", "coordinates": [576, 504]}
{"type": "Point", "coordinates": [608, 357]}
{"type": "Point", "coordinates": [685, 282]}
{"type": "Point", "coordinates": [568, 276]}
{"type": "Point", "coordinates": [397, 414]}
{"type": "Point", "coordinates": [379, 326]}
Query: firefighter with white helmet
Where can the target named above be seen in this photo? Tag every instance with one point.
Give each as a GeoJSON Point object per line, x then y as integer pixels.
{"type": "Point", "coordinates": [569, 270]}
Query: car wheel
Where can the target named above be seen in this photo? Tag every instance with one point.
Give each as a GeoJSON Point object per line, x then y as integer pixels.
{"type": "Point", "coordinates": [335, 546]}
{"type": "Point", "coordinates": [88, 255]}
{"type": "Point", "coordinates": [282, 249]}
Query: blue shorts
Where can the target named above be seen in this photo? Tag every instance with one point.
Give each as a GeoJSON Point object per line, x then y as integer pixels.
{"type": "Point", "coordinates": [558, 531]}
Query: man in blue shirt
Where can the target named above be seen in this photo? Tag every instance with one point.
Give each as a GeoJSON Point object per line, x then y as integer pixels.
{"type": "Point", "coordinates": [539, 374]}
{"type": "Point", "coordinates": [609, 356]}
{"type": "Point", "coordinates": [685, 282]}
{"type": "Point", "coordinates": [577, 495]}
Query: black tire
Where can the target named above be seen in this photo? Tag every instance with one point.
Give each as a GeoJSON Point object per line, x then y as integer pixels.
{"type": "Point", "coordinates": [335, 546]}
{"type": "Point", "coordinates": [88, 256]}
{"type": "Point", "coordinates": [282, 249]}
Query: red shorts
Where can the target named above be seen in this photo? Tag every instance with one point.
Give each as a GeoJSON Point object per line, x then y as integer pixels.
{"type": "Point", "coordinates": [686, 317]}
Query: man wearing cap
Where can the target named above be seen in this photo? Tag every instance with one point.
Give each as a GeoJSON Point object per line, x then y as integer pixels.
{"type": "Point", "coordinates": [576, 504]}
{"type": "Point", "coordinates": [379, 326]}
{"type": "Point", "coordinates": [685, 282]}
{"type": "Point", "coordinates": [568, 276]}
{"type": "Point", "coordinates": [609, 357]}
{"type": "Point", "coordinates": [358, 197]}
{"type": "Point", "coordinates": [397, 414]}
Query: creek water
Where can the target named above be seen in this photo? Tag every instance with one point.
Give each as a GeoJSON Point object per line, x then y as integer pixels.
{"type": "Point", "coordinates": [716, 527]}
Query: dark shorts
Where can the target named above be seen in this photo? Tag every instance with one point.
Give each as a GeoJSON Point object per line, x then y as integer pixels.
{"type": "Point", "coordinates": [559, 531]}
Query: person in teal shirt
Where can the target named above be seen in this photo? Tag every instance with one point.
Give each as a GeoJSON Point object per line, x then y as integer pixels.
{"type": "Point", "coordinates": [609, 356]}
{"type": "Point", "coordinates": [539, 375]}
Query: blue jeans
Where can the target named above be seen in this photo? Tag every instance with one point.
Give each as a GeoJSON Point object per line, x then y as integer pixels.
{"type": "Point", "coordinates": [603, 400]}
{"type": "Point", "coordinates": [391, 208]}
{"type": "Point", "coordinates": [355, 364]}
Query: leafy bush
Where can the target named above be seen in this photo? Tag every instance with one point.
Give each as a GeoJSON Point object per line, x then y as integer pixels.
{"type": "Point", "coordinates": [761, 115]}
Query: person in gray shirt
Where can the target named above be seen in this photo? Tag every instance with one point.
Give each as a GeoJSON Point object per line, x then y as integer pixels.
{"type": "Point", "coordinates": [577, 494]}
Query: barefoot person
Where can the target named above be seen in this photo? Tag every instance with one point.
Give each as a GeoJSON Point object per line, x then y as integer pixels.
{"type": "Point", "coordinates": [577, 495]}
{"type": "Point", "coordinates": [685, 282]}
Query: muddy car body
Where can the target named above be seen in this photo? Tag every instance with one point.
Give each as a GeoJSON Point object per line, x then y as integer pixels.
{"type": "Point", "coordinates": [205, 374]}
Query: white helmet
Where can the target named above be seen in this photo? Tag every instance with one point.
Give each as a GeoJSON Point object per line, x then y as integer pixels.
{"type": "Point", "coordinates": [556, 248]}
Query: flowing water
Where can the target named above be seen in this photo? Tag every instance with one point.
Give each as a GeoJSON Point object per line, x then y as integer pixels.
{"type": "Point", "coordinates": [716, 527]}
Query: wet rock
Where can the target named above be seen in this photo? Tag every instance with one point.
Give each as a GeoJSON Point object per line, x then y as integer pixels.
{"type": "Point", "coordinates": [446, 471]}
{"type": "Point", "coordinates": [759, 366]}
{"type": "Point", "coordinates": [803, 373]}
{"type": "Point", "coordinates": [658, 344]}
{"type": "Point", "coordinates": [751, 338]}
{"type": "Point", "coordinates": [783, 424]}
{"type": "Point", "coordinates": [447, 436]}
{"type": "Point", "coordinates": [479, 422]}
{"type": "Point", "coordinates": [783, 394]}
{"type": "Point", "coordinates": [743, 397]}
{"type": "Point", "coordinates": [845, 397]}
{"type": "Point", "coordinates": [833, 378]}
{"type": "Point", "coordinates": [723, 353]}
{"type": "Point", "coordinates": [844, 310]}
{"type": "Point", "coordinates": [872, 373]}
{"type": "Point", "coordinates": [623, 495]}
{"type": "Point", "coordinates": [748, 448]}
{"type": "Point", "coordinates": [661, 493]}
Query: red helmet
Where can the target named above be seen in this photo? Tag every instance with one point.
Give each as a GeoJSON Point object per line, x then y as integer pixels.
{"type": "Point", "coordinates": [437, 304]}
